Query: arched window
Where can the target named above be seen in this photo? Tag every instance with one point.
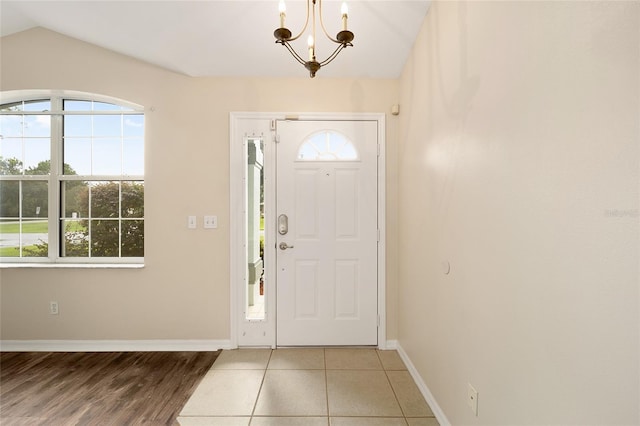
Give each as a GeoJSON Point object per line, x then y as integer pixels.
{"type": "Point", "coordinates": [327, 145]}
{"type": "Point", "coordinates": [71, 178]}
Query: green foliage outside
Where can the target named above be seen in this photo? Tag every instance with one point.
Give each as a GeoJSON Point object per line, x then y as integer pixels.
{"type": "Point", "coordinates": [35, 200]}
{"type": "Point", "coordinates": [115, 228]}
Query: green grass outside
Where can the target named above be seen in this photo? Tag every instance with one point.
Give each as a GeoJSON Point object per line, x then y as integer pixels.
{"type": "Point", "coordinates": [27, 228]}
{"type": "Point", "coordinates": [31, 228]}
{"type": "Point", "coordinates": [36, 227]}
{"type": "Point", "coordinates": [12, 251]}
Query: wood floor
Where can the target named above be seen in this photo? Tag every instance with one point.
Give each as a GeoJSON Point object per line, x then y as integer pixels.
{"type": "Point", "coordinates": [123, 388]}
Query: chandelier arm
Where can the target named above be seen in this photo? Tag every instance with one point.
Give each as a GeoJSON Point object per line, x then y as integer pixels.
{"type": "Point", "coordinates": [306, 24]}
{"type": "Point", "coordinates": [293, 52]}
{"type": "Point", "coordinates": [322, 25]}
{"type": "Point", "coordinates": [343, 39]}
{"type": "Point", "coordinates": [334, 54]}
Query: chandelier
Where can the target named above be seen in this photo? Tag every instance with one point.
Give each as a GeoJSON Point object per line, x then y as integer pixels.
{"type": "Point", "coordinates": [343, 38]}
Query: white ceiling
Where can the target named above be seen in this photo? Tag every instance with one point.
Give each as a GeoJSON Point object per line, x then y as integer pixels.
{"type": "Point", "coordinates": [228, 38]}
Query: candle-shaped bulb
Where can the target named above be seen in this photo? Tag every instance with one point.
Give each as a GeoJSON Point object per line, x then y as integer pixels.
{"type": "Point", "coordinates": [311, 48]}
{"type": "Point", "coordinates": [283, 12]}
{"type": "Point", "coordinates": [345, 13]}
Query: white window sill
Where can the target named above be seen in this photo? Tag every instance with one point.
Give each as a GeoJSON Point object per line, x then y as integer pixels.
{"type": "Point", "coordinates": [73, 265]}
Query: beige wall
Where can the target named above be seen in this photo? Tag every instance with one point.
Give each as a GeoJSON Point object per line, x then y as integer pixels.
{"type": "Point", "coordinates": [183, 291]}
{"type": "Point", "coordinates": [519, 164]}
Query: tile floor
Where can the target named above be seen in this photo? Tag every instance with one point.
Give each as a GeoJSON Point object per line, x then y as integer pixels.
{"type": "Point", "coordinates": [287, 387]}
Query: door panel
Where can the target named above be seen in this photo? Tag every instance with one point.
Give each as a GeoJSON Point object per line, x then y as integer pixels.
{"type": "Point", "coordinates": [307, 203]}
{"type": "Point", "coordinates": [327, 270]}
{"type": "Point", "coordinates": [306, 290]}
{"type": "Point", "coordinates": [347, 203]}
{"type": "Point", "coordinates": [346, 290]}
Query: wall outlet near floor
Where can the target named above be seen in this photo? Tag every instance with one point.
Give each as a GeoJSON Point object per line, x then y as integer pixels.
{"type": "Point", "coordinates": [53, 308]}
{"type": "Point", "coordinates": [472, 399]}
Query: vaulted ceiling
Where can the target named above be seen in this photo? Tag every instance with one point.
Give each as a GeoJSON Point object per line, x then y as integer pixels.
{"type": "Point", "coordinates": [228, 38]}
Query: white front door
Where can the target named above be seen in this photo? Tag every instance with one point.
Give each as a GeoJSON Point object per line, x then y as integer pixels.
{"type": "Point", "coordinates": [327, 233]}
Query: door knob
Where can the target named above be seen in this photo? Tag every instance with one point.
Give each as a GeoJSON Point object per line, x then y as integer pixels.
{"type": "Point", "coordinates": [284, 246]}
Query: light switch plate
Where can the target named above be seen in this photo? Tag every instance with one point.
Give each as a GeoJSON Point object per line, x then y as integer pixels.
{"type": "Point", "coordinates": [211, 222]}
{"type": "Point", "coordinates": [192, 222]}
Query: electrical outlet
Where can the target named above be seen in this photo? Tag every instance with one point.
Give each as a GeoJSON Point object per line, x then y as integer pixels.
{"type": "Point", "coordinates": [53, 308]}
{"type": "Point", "coordinates": [472, 399]}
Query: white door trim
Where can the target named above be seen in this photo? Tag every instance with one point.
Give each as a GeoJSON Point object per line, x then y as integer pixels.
{"type": "Point", "coordinates": [261, 122]}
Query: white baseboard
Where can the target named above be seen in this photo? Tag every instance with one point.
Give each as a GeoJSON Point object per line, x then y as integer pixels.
{"type": "Point", "coordinates": [113, 345]}
{"type": "Point", "coordinates": [428, 396]}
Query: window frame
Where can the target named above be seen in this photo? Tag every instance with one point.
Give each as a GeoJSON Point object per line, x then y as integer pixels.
{"type": "Point", "coordinates": [57, 178]}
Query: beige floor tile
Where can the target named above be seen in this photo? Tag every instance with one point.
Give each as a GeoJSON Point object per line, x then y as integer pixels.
{"type": "Point", "coordinates": [290, 421]}
{"type": "Point", "coordinates": [297, 359]}
{"type": "Point", "coordinates": [289, 387]}
{"type": "Point", "coordinates": [293, 393]}
{"type": "Point", "coordinates": [352, 359]}
{"type": "Point", "coordinates": [423, 421]}
{"type": "Point", "coordinates": [242, 359]}
{"type": "Point", "coordinates": [360, 393]}
{"type": "Point", "coordinates": [368, 421]}
{"type": "Point", "coordinates": [225, 393]}
{"type": "Point", "coordinates": [391, 360]}
{"type": "Point", "coordinates": [411, 400]}
{"type": "Point", "coordinates": [214, 421]}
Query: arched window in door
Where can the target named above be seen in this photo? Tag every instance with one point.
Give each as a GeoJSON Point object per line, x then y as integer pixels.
{"type": "Point", "coordinates": [327, 145]}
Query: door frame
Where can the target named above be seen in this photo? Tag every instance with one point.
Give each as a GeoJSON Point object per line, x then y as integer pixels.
{"type": "Point", "coordinates": [241, 124]}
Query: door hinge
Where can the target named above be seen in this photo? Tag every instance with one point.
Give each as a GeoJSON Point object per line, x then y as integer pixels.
{"type": "Point", "coordinates": [378, 321]}
{"type": "Point", "coordinates": [378, 150]}
{"type": "Point", "coordinates": [273, 124]}
{"type": "Point", "coordinates": [276, 138]}
{"type": "Point", "coordinates": [378, 235]}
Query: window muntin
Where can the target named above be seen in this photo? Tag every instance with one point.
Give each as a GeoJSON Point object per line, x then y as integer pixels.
{"type": "Point", "coordinates": [98, 178]}
{"type": "Point", "coordinates": [103, 144]}
{"type": "Point", "coordinates": [327, 145]}
{"type": "Point", "coordinates": [38, 105]}
{"type": "Point", "coordinates": [24, 227]}
{"type": "Point", "coordinates": [103, 218]}
{"type": "Point", "coordinates": [26, 138]}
